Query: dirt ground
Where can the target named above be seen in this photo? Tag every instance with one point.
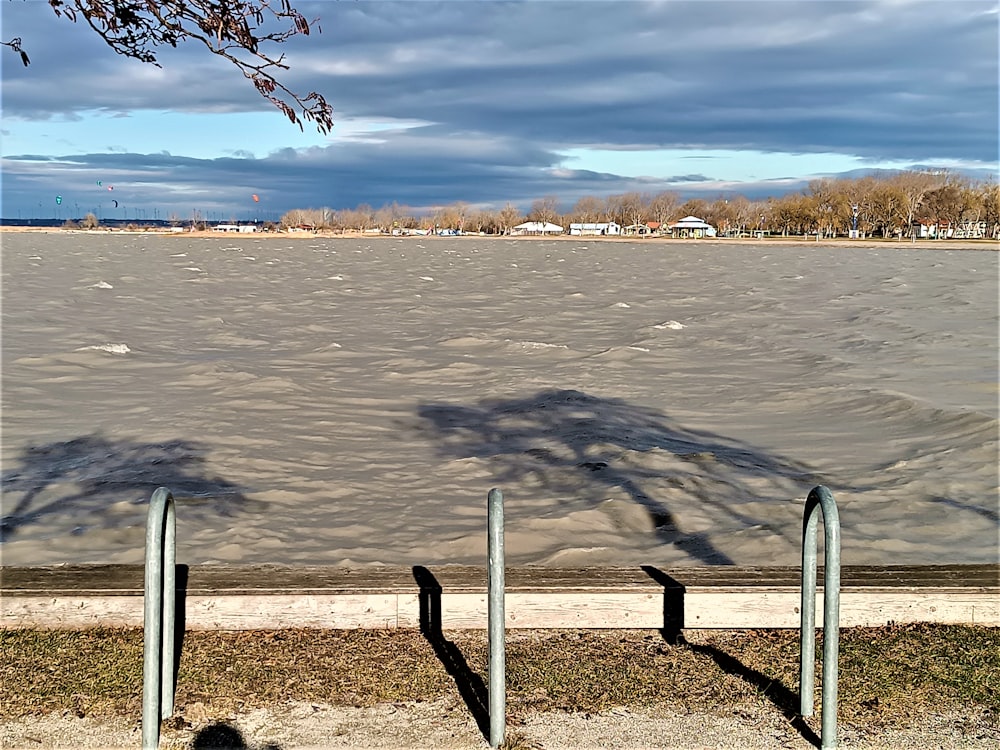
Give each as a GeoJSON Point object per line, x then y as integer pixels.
{"type": "Point", "coordinates": [448, 725]}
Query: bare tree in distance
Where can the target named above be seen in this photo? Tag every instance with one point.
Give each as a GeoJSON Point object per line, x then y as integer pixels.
{"type": "Point", "coordinates": [588, 209]}
{"type": "Point", "coordinates": [508, 217]}
{"type": "Point", "coordinates": [236, 30]}
{"type": "Point", "coordinates": [545, 210]}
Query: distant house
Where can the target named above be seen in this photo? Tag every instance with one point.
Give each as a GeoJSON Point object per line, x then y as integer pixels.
{"type": "Point", "coordinates": [927, 229]}
{"type": "Point", "coordinates": [536, 227]}
{"type": "Point", "coordinates": [640, 229]}
{"type": "Point", "coordinates": [595, 228]}
{"type": "Point", "coordinates": [970, 230]}
{"type": "Point", "coordinates": [691, 226]}
{"type": "Point", "coordinates": [244, 228]}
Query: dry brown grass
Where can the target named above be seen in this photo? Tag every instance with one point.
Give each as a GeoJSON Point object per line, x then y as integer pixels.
{"type": "Point", "coordinates": [887, 675]}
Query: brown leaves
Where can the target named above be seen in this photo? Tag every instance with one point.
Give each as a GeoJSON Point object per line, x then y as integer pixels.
{"type": "Point", "coordinates": [233, 29]}
{"type": "Point", "coordinates": [265, 85]}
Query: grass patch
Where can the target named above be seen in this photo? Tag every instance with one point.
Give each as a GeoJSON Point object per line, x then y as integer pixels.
{"type": "Point", "coordinates": [887, 675]}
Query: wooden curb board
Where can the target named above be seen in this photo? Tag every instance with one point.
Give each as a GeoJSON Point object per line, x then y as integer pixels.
{"type": "Point", "coordinates": [455, 597]}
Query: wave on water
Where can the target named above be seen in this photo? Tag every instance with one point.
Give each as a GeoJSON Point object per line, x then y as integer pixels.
{"type": "Point", "coordinates": [595, 449]}
{"type": "Point", "coordinates": [332, 403]}
{"type": "Point", "coordinates": [109, 348]}
{"type": "Point", "coordinates": [535, 344]}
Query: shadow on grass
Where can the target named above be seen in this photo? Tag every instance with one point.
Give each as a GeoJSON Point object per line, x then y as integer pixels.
{"type": "Point", "coordinates": [470, 685]}
{"type": "Point", "coordinates": [784, 699]}
{"type": "Point", "coordinates": [222, 736]}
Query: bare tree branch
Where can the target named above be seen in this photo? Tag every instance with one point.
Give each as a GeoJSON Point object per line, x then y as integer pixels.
{"type": "Point", "coordinates": [15, 44]}
{"type": "Point", "coordinates": [240, 31]}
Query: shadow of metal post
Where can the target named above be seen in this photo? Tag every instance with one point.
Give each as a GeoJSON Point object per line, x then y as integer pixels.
{"type": "Point", "coordinates": [673, 605]}
{"type": "Point", "coordinates": [673, 634]}
{"type": "Point", "coordinates": [470, 685]}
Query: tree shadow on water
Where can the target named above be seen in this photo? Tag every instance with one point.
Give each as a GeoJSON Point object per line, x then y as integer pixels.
{"type": "Point", "coordinates": [92, 480]}
{"type": "Point", "coordinates": [575, 443]}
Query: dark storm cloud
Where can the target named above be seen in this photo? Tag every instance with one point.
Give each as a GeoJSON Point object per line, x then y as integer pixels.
{"type": "Point", "coordinates": [800, 77]}
{"type": "Point", "coordinates": [507, 86]}
{"type": "Point", "coordinates": [420, 169]}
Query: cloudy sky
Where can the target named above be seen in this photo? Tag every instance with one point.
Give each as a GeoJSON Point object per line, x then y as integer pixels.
{"type": "Point", "coordinates": [490, 102]}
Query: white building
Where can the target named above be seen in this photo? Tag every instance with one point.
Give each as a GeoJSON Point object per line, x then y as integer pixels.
{"type": "Point", "coordinates": [691, 226]}
{"type": "Point", "coordinates": [243, 228]}
{"type": "Point", "coordinates": [537, 227]}
{"type": "Point", "coordinates": [595, 228]}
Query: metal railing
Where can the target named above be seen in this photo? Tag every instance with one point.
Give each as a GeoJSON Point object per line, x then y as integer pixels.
{"type": "Point", "coordinates": [159, 616]}
{"type": "Point", "coordinates": [820, 499]}
{"type": "Point", "coordinates": [496, 619]}
{"type": "Point", "coordinates": [160, 597]}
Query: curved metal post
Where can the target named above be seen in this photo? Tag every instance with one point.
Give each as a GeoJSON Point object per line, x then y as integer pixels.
{"type": "Point", "coordinates": [160, 599]}
{"type": "Point", "coordinates": [495, 615]}
{"type": "Point", "coordinates": [821, 499]}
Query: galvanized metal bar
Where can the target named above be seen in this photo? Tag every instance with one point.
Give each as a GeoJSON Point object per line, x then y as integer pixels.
{"type": "Point", "coordinates": [820, 499]}
{"type": "Point", "coordinates": [496, 617]}
{"type": "Point", "coordinates": [159, 616]}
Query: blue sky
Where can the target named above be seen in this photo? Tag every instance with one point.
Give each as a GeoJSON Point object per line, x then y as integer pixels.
{"type": "Point", "coordinates": [491, 102]}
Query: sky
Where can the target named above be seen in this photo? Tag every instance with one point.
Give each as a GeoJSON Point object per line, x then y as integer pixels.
{"type": "Point", "coordinates": [488, 102]}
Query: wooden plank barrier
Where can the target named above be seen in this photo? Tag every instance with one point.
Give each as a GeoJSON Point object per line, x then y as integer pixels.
{"type": "Point", "coordinates": [272, 597]}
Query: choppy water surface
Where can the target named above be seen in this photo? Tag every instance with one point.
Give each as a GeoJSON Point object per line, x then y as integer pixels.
{"type": "Point", "coordinates": [351, 401]}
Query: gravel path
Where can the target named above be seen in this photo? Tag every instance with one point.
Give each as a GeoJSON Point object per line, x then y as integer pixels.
{"type": "Point", "coordinates": [448, 725]}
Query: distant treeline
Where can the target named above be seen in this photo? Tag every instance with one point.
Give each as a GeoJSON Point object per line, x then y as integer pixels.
{"type": "Point", "coordinates": [936, 203]}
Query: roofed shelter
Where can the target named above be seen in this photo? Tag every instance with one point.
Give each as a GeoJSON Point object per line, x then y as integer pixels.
{"type": "Point", "coordinates": [691, 226]}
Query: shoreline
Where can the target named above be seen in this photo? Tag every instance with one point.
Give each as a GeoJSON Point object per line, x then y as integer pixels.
{"type": "Point", "coordinates": [868, 242]}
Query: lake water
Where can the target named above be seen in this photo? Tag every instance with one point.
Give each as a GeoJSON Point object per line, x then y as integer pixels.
{"type": "Point", "coordinates": [351, 401]}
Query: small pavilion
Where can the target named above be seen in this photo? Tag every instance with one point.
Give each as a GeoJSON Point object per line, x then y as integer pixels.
{"type": "Point", "coordinates": [691, 226]}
